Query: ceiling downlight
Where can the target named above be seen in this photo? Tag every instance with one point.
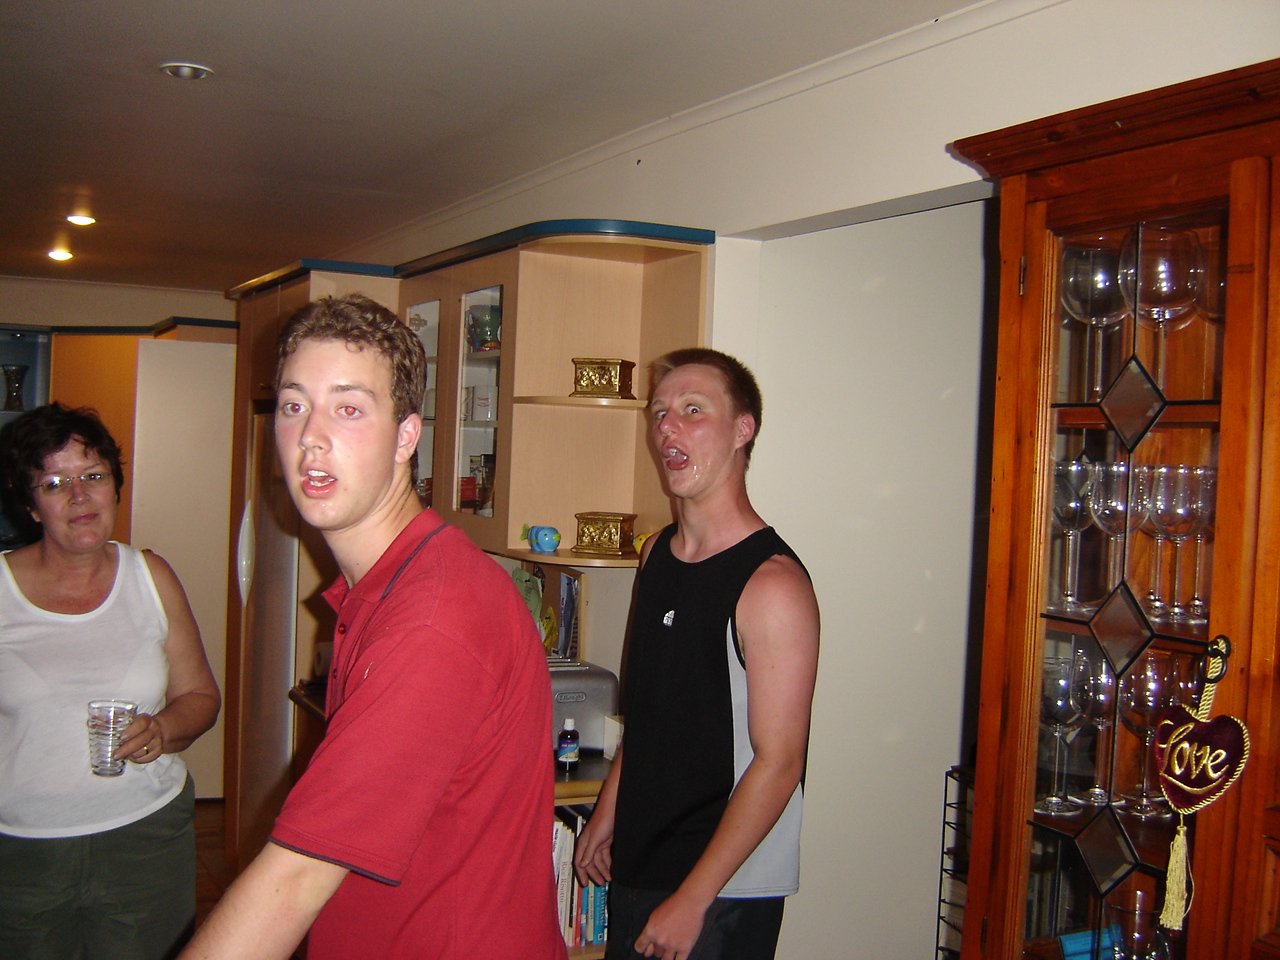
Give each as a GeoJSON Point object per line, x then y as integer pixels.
{"type": "Point", "coordinates": [186, 71]}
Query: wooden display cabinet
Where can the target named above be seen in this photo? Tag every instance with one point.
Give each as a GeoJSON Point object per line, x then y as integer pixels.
{"type": "Point", "coordinates": [1135, 513]}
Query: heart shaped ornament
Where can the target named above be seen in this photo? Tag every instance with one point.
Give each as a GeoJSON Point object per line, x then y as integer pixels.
{"type": "Point", "coordinates": [1198, 760]}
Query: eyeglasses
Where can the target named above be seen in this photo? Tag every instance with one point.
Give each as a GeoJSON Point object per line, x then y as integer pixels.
{"type": "Point", "coordinates": [60, 485]}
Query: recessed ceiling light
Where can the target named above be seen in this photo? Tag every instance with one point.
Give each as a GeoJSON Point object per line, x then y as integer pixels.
{"type": "Point", "coordinates": [80, 219]}
{"type": "Point", "coordinates": [186, 71]}
{"type": "Point", "coordinates": [60, 253]}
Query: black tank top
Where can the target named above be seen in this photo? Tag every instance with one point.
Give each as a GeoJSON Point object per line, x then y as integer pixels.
{"type": "Point", "coordinates": [677, 770]}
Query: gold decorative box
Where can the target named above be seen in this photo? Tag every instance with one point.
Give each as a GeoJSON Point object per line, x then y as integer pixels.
{"type": "Point", "coordinates": [605, 534]}
{"type": "Point", "coordinates": [596, 377]}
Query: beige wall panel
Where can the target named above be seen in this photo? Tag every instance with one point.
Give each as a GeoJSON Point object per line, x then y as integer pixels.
{"type": "Point", "coordinates": [181, 484]}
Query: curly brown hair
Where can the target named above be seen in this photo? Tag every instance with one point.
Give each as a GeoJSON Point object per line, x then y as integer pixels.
{"type": "Point", "coordinates": [362, 322]}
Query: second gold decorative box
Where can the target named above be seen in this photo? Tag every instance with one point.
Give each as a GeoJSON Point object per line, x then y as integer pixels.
{"type": "Point", "coordinates": [605, 534]}
{"type": "Point", "coordinates": [602, 377]}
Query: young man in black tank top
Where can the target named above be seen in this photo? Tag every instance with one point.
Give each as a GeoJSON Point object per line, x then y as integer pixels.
{"type": "Point", "coordinates": [698, 829]}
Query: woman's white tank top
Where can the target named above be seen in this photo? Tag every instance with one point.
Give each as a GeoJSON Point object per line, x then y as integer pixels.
{"type": "Point", "coordinates": [51, 666]}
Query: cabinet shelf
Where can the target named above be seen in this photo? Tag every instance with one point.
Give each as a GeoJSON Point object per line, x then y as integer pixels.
{"type": "Point", "coordinates": [567, 558]}
{"type": "Point", "coordinates": [1176, 413]}
{"type": "Point", "coordinates": [617, 403]}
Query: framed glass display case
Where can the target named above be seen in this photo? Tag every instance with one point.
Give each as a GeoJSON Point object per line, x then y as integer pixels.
{"type": "Point", "coordinates": [1129, 499]}
{"type": "Point", "coordinates": [481, 366]}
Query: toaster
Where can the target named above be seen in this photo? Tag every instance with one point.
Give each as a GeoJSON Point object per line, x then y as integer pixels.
{"type": "Point", "coordinates": [586, 692]}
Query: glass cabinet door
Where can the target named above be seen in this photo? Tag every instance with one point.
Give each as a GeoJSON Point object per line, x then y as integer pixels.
{"type": "Point", "coordinates": [424, 320]}
{"type": "Point", "coordinates": [1129, 503]}
{"type": "Point", "coordinates": [480, 368]}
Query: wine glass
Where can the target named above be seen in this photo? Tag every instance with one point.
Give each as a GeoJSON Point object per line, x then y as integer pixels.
{"type": "Point", "coordinates": [1060, 713]}
{"type": "Point", "coordinates": [1155, 605]}
{"type": "Point", "coordinates": [1091, 293]}
{"type": "Point", "coordinates": [1197, 610]}
{"type": "Point", "coordinates": [1135, 928]}
{"type": "Point", "coordinates": [1094, 683]}
{"type": "Point", "coordinates": [1116, 504]}
{"type": "Point", "coordinates": [1152, 684]}
{"type": "Point", "coordinates": [1070, 514]}
{"type": "Point", "coordinates": [1161, 277]}
{"type": "Point", "coordinates": [1180, 509]}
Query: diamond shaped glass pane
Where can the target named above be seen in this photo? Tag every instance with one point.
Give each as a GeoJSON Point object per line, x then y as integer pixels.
{"type": "Point", "coordinates": [1105, 848]}
{"type": "Point", "coordinates": [1121, 628]}
{"type": "Point", "coordinates": [1133, 403]}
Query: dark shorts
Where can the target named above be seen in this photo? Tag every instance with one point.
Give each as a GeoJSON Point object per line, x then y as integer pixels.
{"type": "Point", "coordinates": [123, 894]}
{"type": "Point", "coordinates": [734, 929]}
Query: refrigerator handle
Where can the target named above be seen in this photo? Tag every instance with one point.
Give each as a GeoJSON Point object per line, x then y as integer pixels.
{"type": "Point", "coordinates": [244, 553]}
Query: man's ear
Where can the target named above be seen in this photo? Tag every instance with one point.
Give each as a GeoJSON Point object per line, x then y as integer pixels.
{"type": "Point", "coordinates": [407, 435]}
{"type": "Point", "coordinates": [746, 425]}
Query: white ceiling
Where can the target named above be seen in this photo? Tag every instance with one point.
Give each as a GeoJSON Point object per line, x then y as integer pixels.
{"type": "Point", "coordinates": [327, 122]}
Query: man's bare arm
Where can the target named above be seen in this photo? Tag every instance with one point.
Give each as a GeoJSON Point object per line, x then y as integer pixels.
{"type": "Point", "coordinates": [268, 910]}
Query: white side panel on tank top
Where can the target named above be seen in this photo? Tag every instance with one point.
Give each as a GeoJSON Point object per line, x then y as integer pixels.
{"type": "Point", "coordinates": [773, 869]}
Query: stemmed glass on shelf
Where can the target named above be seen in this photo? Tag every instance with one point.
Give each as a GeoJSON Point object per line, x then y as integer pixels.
{"type": "Point", "coordinates": [1197, 609]}
{"type": "Point", "coordinates": [1060, 712]}
{"type": "Point", "coordinates": [1070, 514]}
{"type": "Point", "coordinates": [1155, 604]}
{"type": "Point", "coordinates": [1151, 685]}
{"type": "Point", "coordinates": [1181, 504]}
{"type": "Point", "coordinates": [1116, 503]}
{"type": "Point", "coordinates": [1090, 287]}
{"type": "Point", "coordinates": [1094, 685]}
{"type": "Point", "coordinates": [1161, 277]}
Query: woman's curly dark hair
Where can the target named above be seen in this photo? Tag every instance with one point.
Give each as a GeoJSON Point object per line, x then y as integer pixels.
{"type": "Point", "coordinates": [26, 441]}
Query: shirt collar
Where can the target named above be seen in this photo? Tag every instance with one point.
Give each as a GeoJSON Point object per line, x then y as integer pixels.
{"type": "Point", "coordinates": [373, 583]}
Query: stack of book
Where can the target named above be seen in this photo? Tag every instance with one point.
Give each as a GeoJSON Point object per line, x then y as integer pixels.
{"type": "Point", "coordinates": [583, 912]}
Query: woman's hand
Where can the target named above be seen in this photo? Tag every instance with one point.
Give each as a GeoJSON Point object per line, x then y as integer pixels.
{"type": "Point", "coordinates": [143, 741]}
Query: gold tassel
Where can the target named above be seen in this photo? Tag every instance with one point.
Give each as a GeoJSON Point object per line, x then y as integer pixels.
{"type": "Point", "coordinates": [1176, 879]}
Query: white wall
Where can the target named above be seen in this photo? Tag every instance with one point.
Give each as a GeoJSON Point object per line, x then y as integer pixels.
{"type": "Point", "coordinates": [59, 303]}
{"type": "Point", "coordinates": [869, 127]}
{"type": "Point", "coordinates": [868, 471]}
{"type": "Point", "coordinates": [877, 492]}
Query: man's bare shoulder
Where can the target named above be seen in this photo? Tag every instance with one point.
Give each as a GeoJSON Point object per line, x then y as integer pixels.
{"type": "Point", "coordinates": [779, 585]}
{"type": "Point", "coordinates": [780, 572]}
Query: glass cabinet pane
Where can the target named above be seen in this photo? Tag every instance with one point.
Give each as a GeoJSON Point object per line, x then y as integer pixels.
{"type": "Point", "coordinates": [1129, 495]}
{"type": "Point", "coordinates": [424, 320]}
{"type": "Point", "coordinates": [478, 406]}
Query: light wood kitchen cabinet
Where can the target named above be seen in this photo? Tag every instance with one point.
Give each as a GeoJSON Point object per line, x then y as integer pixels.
{"type": "Point", "coordinates": [1135, 514]}
{"type": "Point", "coordinates": [566, 290]}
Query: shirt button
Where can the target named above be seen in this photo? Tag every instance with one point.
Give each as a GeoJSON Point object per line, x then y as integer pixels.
{"type": "Point", "coordinates": [342, 628]}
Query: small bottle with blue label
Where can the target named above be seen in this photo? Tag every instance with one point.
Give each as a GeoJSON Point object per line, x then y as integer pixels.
{"type": "Point", "coordinates": [567, 748]}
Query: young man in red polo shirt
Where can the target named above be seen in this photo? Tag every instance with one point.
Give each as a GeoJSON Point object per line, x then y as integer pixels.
{"type": "Point", "coordinates": [421, 828]}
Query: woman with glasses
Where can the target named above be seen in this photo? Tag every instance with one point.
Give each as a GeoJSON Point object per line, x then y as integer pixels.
{"type": "Point", "coordinates": [91, 866]}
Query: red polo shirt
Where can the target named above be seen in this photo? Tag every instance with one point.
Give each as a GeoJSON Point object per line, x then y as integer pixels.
{"type": "Point", "coordinates": [433, 784]}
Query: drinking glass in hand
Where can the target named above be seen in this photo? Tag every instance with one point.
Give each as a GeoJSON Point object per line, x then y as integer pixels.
{"type": "Point", "coordinates": [1060, 712]}
{"type": "Point", "coordinates": [108, 720]}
